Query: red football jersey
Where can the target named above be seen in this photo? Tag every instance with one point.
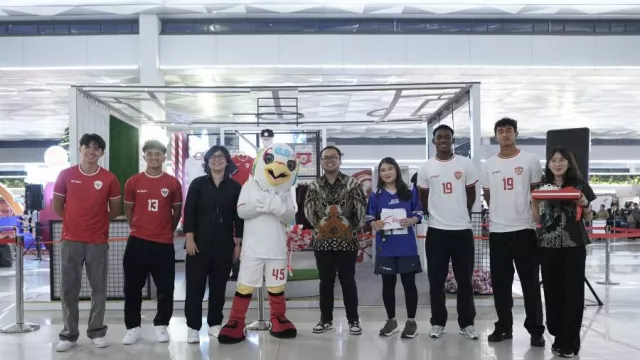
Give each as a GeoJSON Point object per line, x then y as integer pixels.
{"type": "Point", "coordinates": [86, 210]}
{"type": "Point", "coordinates": [152, 199]}
{"type": "Point", "coordinates": [244, 164]}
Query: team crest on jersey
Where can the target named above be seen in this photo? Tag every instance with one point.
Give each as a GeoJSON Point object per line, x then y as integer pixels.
{"type": "Point", "coordinates": [97, 184]}
{"type": "Point", "coordinates": [164, 192]}
{"type": "Point", "coordinates": [519, 170]}
{"type": "Point", "coordinates": [458, 175]}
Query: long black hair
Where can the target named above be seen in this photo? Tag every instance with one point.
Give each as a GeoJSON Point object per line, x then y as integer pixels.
{"type": "Point", "coordinates": [573, 173]}
{"type": "Point", "coordinates": [401, 187]}
{"type": "Point", "coordinates": [231, 167]}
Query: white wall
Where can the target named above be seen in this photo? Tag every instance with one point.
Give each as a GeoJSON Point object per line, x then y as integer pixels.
{"type": "Point", "coordinates": [449, 50]}
{"type": "Point", "coordinates": [417, 152]}
{"type": "Point", "coordinates": [69, 51]}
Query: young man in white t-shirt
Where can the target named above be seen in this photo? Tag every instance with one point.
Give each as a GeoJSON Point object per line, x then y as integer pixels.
{"type": "Point", "coordinates": [507, 181]}
{"type": "Point", "coordinates": [447, 184]}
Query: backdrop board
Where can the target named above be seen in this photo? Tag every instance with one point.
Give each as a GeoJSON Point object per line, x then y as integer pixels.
{"type": "Point", "coordinates": [578, 141]}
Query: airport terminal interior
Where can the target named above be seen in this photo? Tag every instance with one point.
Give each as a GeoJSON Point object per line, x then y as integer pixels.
{"type": "Point", "coordinates": [373, 78]}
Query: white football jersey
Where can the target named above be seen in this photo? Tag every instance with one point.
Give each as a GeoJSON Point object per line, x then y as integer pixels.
{"type": "Point", "coordinates": [447, 182]}
{"type": "Point", "coordinates": [509, 180]}
{"type": "Point", "coordinates": [194, 167]}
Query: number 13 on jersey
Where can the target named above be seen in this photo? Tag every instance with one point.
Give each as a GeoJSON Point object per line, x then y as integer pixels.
{"type": "Point", "coordinates": [153, 204]}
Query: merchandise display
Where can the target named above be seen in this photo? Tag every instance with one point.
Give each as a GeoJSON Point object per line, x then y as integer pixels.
{"type": "Point", "coordinates": [244, 163]}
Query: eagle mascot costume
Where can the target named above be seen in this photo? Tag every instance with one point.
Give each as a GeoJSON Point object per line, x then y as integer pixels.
{"type": "Point", "coordinates": [266, 205]}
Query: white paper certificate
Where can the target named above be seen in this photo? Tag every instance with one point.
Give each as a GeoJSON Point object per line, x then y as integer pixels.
{"type": "Point", "coordinates": [391, 219]}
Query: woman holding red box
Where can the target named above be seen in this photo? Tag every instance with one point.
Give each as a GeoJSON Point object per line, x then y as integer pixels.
{"type": "Point", "coordinates": [562, 240]}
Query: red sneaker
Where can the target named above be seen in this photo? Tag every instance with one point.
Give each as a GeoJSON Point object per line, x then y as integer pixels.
{"type": "Point", "coordinates": [234, 331]}
{"type": "Point", "coordinates": [281, 327]}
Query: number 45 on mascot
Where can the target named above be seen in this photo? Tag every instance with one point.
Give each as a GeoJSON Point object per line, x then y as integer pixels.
{"type": "Point", "coordinates": [266, 205]}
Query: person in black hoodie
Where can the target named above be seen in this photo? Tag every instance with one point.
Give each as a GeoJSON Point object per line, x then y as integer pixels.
{"type": "Point", "coordinates": [214, 236]}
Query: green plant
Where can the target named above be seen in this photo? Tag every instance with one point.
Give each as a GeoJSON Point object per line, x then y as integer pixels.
{"type": "Point", "coordinates": [64, 141]}
{"type": "Point", "coordinates": [12, 183]}
{"type": "Point", "coordinates": [303, 274]}
{"type": "Point", "coordinates": [615, 179]}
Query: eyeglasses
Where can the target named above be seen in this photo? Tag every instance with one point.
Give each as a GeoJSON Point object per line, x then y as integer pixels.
{"type": "Point", "coordinates": [332, 158]}
{"type": "Point", "coordinates": [559, 161]}
{"type": "Point", "coordinates": [217, 157]}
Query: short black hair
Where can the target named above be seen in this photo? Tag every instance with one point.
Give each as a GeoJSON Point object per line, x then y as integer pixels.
{"type": "Point", "coordinates": [332, 147]}
{"type": "Point", "coordinates": [443, 127]}
{"type": "Point", "coordinates": [227, 155]}
{"type": "Point", "coordinates": [154, 145]}
{"type": "Point", "coordinates": [87, 139]}
{"type": "Point", "coordinates": [505, 122]}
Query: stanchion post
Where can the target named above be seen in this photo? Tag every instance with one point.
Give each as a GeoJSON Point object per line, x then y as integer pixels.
{"type": "Point", "coordinates": [261, 324]}
{"type": "Point", "coordinates": [20, 326]}
{"type": "Point", "coordinates": [607, 266]}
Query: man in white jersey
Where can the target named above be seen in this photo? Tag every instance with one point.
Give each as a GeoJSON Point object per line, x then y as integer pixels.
{"type": "Point", "coordinates": [507, 181]}
{"type": "Point", "coordinates": [448, 192]}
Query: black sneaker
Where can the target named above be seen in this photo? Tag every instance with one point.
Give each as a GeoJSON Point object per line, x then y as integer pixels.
{"type": "Point", "coordinates": [554, 347]}
{"type": "Point", "coordinates": [498, 336]}
{"type": "Point", "coordinates": [355, 328]}
{"type": "Point", "coordinates": [537, 340]}
{"type": "Point", "coordinates": [322, 327]}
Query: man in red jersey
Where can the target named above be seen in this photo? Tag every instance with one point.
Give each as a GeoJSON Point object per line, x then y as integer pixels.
{"type": "Point", "coordinates": [153, 205]}
{"type": "Point", "coordinates": [86, 197]}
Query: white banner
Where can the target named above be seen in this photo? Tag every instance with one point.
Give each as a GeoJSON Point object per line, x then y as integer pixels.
{"type": "Point", "coordinates": [89, 117]}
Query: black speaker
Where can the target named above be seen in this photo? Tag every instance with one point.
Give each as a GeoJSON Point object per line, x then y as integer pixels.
{"type": "Point", "coordinates": [33, 197]}
{"type": "Point", "coordinates": [578, 141]}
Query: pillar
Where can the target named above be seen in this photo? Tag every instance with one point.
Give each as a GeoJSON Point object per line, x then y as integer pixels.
{"type": "Point", "coordinates": [150, 74]}
{"type": "Point", "coordinates": [431, 149]}
{"type": "Point", "coordinates": [476, 137]}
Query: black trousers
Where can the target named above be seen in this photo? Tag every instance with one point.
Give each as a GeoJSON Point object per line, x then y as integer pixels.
{"type": "Point", "coordinates": [199, 268]}
{"type": "Point", "coordinates": [410, 294]}
{"type": "Point", "coordinates": [344, 263]}
{"type": "Point", "coordinates": [563, 272]}
{"type": "Point", "coordinates": [458, 246]}
{"type": "Point", "coordinates": [141, 258]}
{"type": "Point", "coordinates": [519, 247]}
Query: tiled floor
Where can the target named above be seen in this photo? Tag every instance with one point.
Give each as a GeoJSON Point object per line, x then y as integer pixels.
{"type": "Point", "coordinates": [611, 332]}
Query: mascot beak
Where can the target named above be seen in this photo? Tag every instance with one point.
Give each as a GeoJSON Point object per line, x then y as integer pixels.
{"type": "Point", "coordinates": [277, 173]}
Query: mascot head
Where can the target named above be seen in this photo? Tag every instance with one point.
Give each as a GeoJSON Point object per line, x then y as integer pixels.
{"type": "Point", "coordinates": [275, 168]}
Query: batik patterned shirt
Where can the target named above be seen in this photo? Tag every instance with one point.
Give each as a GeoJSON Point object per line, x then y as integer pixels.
{"type": "Point", "coordinates": [336, 212]}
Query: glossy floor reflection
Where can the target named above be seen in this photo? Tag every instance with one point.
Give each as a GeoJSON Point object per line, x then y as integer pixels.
{"type": "Point", "coordinates": [609, 334]}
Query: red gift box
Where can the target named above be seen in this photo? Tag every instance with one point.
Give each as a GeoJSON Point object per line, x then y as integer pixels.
{"type": "Point", "coordinates": [568, 193]}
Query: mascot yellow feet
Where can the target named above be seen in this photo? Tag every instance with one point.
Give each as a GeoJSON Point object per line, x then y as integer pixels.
{"type": "Point", "coordinates": [234, 331]}
{"type": "Point", "coordinates": [281, 327]}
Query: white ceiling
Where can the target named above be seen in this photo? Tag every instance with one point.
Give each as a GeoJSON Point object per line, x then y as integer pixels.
{"type": "Point", "coordinates": [34, 105]}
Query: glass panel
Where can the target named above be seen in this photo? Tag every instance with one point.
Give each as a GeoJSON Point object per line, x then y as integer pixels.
{"type": "Point", "coordinates": [617, 27]}
{"type": "Point", "coordinates": [338, 26]}
{"type": "Point", "coordinates": [602, 27]}
{"type": "Point", "coordinates": [81, 29]}
{"type": "Point", "coordinates": [556, 26]}
{"type": "Point", "coordinates": [286, 26]}
{"type": "Point", "coordinates": [60, 29]}
{"type": "Point", "coordinates": [632, 28]}
{"type": "Point", "coordinates": [541, 27]}
{"type": "Point", "coordinates": [517, 28]}
{"type": "Point", "coordinates": [3, 29]}
{"type": "Point", "coordinates": [200, 28]}
{"type": "Point", "coordinates": [412, 27]}
{"type": "Point", "coordinates": [45, 29]}
{"type": "Point", "coordinates": [177, 28]}
{"type": "Point", "coordinates": [571, 26]}
{"type": "Point", "coordinates": [494, 27]}
{"type": "Point", "coordinates": [22, 29]}
{"type": "Point", "coordinates": [116, 28]}
{"type": "Point", "coordinates": [449, 27]}
{"type": "Point", "coordinates": [479, 28]}
{"type": "Point", "coordinates": [377, 26]}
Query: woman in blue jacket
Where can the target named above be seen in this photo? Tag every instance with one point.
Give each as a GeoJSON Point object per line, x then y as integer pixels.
{"type": "Point", "coordinates": [393, 211]}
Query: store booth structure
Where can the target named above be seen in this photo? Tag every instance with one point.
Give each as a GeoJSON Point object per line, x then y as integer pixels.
{"type": "Point", "coordinates": [191, 119]}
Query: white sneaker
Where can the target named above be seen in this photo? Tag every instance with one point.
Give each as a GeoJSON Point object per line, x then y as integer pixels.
{"type": "Point", "coordinates": [65, 345]}
{"type": "Point", "coordinates": [437, 331]}
{"type": "Point", "coordinates": [215, 330]}
{"type": "Point", "coordinates": [469, 332]}
{"type": "Point", "coordinates": [161, 334]}
{"type": "Point", "coordinates": [193, 336]}
{"type": "Point", "coordinates": [132, 336]}
{"type": "Point", "coordinates": [100, 342]}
